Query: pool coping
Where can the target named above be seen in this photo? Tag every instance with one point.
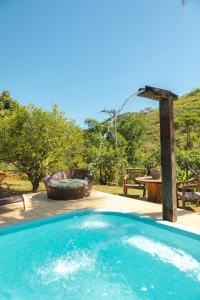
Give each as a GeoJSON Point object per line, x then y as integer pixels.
{"type": "Point", "coordinates": [167, 223]}
{"type": "Point", "coordinates": [75, 213]}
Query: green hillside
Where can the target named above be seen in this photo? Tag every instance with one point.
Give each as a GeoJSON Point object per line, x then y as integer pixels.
{"type": "Point", "coordinates": [187, 125]}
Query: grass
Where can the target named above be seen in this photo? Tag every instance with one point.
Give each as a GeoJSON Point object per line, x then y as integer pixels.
{"type": "Point", "coordinates": [24, 186]}
{"type": "Point", "coordinates": [116, 190]}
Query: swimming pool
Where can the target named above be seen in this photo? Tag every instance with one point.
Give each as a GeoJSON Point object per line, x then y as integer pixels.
{"type": "Point", "coordinates": [92, 255]}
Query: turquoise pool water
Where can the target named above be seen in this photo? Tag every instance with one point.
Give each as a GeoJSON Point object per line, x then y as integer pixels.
{"type": "Point", "coordinates": [98, 256]}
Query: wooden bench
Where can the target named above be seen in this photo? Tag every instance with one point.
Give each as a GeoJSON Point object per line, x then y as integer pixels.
{"type": "Point", "coordinates": [129, 180]}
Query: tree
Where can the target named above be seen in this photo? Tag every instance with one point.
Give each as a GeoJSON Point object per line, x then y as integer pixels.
{"type": "Point", "coordinates": [38, 141]}
{"type": "Point", "coordinates": [132, 126]}
{"type": "Point", "coordinates": [105, 159]}
{"type": "Point", "coordinates": [7, 104]}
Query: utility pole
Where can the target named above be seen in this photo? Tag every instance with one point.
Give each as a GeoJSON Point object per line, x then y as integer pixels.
{"type": "Point", "coordinates": [115, 124]}
{"type": "Point", "coordinates": [113, 115]}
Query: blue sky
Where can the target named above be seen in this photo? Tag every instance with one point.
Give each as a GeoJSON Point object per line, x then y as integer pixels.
{"type": "Point", "coordinates": [86, 55]}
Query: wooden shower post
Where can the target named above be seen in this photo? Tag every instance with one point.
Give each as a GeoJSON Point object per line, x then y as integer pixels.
{"type": "Point", "coordinates": [168, 162]}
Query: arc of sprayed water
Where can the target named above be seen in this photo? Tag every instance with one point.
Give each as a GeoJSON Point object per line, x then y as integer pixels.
{"type": "Point", "coordinates": [125, 102]}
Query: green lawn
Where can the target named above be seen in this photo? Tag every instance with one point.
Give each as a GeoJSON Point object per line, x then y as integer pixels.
{"type": "Point", "coordinates": [116, 190]}
{"type": "Point", "coordinates": [24, 186]}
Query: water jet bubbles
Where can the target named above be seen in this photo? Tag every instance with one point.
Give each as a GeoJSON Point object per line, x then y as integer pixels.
{"type": "Point", "coordinates": [66, 267]}
{"type": "Point", "coordinates": [177, 258]}
{"type": "Point", "coordinates": [144, 289]}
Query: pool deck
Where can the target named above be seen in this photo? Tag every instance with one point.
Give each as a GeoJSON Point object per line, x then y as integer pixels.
{"type": "Point", "coordinates": [38, 206]}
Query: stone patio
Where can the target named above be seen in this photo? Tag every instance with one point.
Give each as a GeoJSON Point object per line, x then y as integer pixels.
{"type": "Point", "coordinates": [38, 206]}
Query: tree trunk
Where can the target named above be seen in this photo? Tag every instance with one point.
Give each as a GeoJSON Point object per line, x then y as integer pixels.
{"type": "Point", "coordinates": [35, 185]}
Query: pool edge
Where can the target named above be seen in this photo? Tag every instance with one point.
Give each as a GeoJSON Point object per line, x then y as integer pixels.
{"type": "Point", "coordinates": [173, 227]}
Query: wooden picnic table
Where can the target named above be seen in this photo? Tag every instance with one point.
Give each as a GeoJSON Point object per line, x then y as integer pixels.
{"type": "Point", "coordinates": [154, 188]}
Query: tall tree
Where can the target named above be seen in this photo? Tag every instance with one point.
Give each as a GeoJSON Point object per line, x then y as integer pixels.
{"type": "Point", "coordinates": [7, 103]}
{"type": "Point", "coordinates": [38, 141]}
